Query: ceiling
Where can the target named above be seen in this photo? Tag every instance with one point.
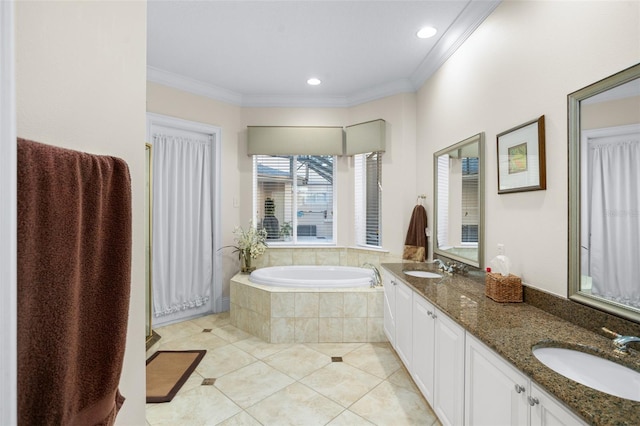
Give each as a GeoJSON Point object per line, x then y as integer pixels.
{"type": "Point", "coordinates": [261, 53]}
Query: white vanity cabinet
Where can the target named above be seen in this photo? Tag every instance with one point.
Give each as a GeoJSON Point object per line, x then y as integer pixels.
{"type": "Point", "coordinates": [424, 335]}
{"type": "Point", "coordinates": [398, 323]}
{"type": "Point", "coordinates": [546, 410]}
{"type": "Point", "coordinates": [448, 382]}
{"type": "Point", "coordinates": [404, 323]}
{"type": "Point", "coordinates": [389, 285]}
{"type": "Point", "coordinates": [498, 394]}
{"type": "Point", "coordinates": [495, 392]}
{"type": "Point", "coordinates": [438, 360]}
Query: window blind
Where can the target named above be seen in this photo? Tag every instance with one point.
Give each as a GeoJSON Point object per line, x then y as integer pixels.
{"type": "Point", "coordinates": [443, 201]}
{"type": "Point", "coordinates": [470, 204]}
{"type": "Point", "coordinates": [368, 199]}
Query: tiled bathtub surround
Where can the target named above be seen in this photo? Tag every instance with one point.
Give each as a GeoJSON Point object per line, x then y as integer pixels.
{"type": "Point", "coordinates": [334, 256]}
{"type": "Point", "coordinates": [288, 315]}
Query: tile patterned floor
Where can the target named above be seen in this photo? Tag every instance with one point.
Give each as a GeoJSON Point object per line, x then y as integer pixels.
{"type": "Point", "coordinates": [258, 383]}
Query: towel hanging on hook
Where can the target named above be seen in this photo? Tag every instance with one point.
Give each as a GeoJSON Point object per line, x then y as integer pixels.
{"type": "Point", "coordinates": [415, 245]}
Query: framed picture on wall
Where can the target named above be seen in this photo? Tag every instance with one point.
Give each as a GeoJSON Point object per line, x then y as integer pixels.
{"type": "Point", "coordinates": [521, 162]}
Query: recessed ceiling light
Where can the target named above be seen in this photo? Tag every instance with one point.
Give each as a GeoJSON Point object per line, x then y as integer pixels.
{"type": "Point", "coordinates": [313, 81]}
{"type": "Point", "coordinates": [426, 32]}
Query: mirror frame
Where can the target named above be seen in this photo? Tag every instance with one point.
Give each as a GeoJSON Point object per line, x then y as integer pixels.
{"type": "Point", "coordinates": [479, 138]}
{"type": "Point", "coordinates": [573, 103]}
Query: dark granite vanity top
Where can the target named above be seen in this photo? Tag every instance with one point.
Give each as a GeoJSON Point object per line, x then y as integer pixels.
{"type": "Point", "coordinates": [512, 329]}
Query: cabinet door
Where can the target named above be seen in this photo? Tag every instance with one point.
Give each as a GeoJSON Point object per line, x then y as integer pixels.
{"type": "Point", "coordinates": [495, 392]}
{"type": "Point", "coordinates": [423, 346]}
{"type": "Point", "coordinates": [448, 393]}
{"type": "Point", "coordinates": [389, 284]}
{"type": "Point", "coordinates": [548, 411]}
{"type": "Point", "coordinates": [404, 335]}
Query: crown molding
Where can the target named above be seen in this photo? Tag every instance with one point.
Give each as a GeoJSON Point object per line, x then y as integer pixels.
{"type": "Point", "coordinates": [381, 91]}
{"type": "Point", "coordinates": [465, 24]}
{"type": "Point", "coordinates": [177, 81]}
{"type": "Point", "coordinates": [196, 87]}
{"type": "Point", "coordinates": [264, 101]}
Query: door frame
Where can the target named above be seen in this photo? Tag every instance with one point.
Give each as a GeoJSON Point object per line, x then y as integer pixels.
{"type": "Point", "coordinates": [154, 119]}
{"type": "Point", "coordinates": [8, 218]}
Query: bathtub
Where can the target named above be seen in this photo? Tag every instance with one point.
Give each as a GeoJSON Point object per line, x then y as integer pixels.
{"type": "Point", "coordinates": [321, 277]}
{"type": "Point", "coordinates": [308, 304]}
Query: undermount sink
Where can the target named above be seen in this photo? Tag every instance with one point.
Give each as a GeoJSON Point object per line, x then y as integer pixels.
{"type": "Point", "coordinates": [592, 371]}
{"type": "Point", "coordinates": [423, 274]}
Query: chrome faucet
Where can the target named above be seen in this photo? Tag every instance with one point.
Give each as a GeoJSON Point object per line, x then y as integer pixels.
{"type": "Point", "coordinates": [376, 281]}
{"type": "Point", "coordinates": [442, 266]}
{"type": "Point", "coordinates": [621, 342]}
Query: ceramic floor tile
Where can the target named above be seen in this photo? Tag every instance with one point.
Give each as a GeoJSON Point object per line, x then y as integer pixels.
{"type": "Point", "coordinates": [212, 321]}
{"type": "Point", "coordinates": [347, 418]}
{"type": "Point", "coordinates": [259, 348]}
{"type": "Point", "coordinates": [201, 340]}
{"type": "Point", "coordinates": [295, 405]}
{"type": "Point", "coordinates": [389, 404]}
{"type": "Point", "coordinates": [252, 383]}
{"type": "Point", "coordinates": [297, 361]}
{"type": "Point", "coordinates": [403, 379]}
{"type": "Point", "coordinates": [223, 360]}
{"type": "Point", "coordinates": [341, 382]}
{"type": "Point", "coordinates": [334, 349]}
{"type": "Point", "coordinates": [269, 388]}
{"type": "Point", "coordinates": [374, 358]}
{"type": "Point", "coordinates": [230, 333]}
{"type": "Point", "coordinates": [176, 331]}
{"type": "Point", "coordinates": [240, 419]}
{"type": "Point", "coordinates": [189, 409]}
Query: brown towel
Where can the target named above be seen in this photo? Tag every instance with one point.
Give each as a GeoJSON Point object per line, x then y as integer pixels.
{"type": "Point", "coordinates": [74, 274]}
{"type": "Point", "coordinates": [415, 245]}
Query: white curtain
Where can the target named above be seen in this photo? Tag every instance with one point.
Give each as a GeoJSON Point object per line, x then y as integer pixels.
{"type": "Point", "coordinates": [615, 220]}
{"type": "Point", "coordinates": [182, 222]}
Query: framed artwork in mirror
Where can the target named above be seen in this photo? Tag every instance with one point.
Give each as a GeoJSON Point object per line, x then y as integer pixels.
{"type": "Point", "coordinates": [521, 158]}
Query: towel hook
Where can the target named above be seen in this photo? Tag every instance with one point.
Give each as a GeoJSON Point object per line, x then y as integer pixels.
{"type": "Point", "coordinates": [420, 199]}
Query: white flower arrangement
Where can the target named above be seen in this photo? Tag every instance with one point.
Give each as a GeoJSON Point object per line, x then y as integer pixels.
{"type": "Point", "coordinates": [252, 241]}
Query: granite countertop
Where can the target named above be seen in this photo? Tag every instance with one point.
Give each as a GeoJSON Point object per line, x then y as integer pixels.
{"type": "Point", "coordinates": [513, 329]}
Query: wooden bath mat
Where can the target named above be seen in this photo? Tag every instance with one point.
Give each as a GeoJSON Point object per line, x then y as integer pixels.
{"type": "Point", "coordinates": [167, 371]}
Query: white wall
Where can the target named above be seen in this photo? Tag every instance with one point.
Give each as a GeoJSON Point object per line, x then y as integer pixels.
{"type": "Point", "coordinates": [80, 75]}
{"type": "Point", "coordinates": [521, 63]}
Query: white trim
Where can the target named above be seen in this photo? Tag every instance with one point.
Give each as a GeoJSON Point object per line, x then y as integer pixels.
{"type": "Point", "coordinates": [216, 185]}
{"type": "Point", "coordinates": [8, 219]}
{"type": "Point", "coordinates": [190, 85]}
{"type": "Point", "coordinates": [469, 20]}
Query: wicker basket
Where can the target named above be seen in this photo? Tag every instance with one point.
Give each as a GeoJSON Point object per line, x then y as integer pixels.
{"type": "Point", "coordinates": [503, 289]}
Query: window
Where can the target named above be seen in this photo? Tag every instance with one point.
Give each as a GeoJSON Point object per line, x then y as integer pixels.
{"type": "Point", "coordinates": [293, 197]}
{"type": "Point", "coordinates": [470, 209]}
{"type": "Point", "coordinates": [368, 199]}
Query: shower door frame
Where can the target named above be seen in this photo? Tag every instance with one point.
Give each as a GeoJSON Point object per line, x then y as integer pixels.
{"type": "Point", "coordinates": [154, 119]}
{"type": "Point", "coordinates": [8, 218]}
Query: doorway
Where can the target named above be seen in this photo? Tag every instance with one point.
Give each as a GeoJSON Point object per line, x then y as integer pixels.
{"type": "Point", "coordinates": [186, 275]}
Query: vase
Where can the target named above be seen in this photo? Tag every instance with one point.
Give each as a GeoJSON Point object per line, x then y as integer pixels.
{"type": "Point", "coordinates": [245, 262]}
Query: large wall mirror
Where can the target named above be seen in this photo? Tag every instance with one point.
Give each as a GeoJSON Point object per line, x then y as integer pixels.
{"type": "Point", "coordinates": [459, 201]}
{"type": "Point", "coordinates": [604, 194]}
